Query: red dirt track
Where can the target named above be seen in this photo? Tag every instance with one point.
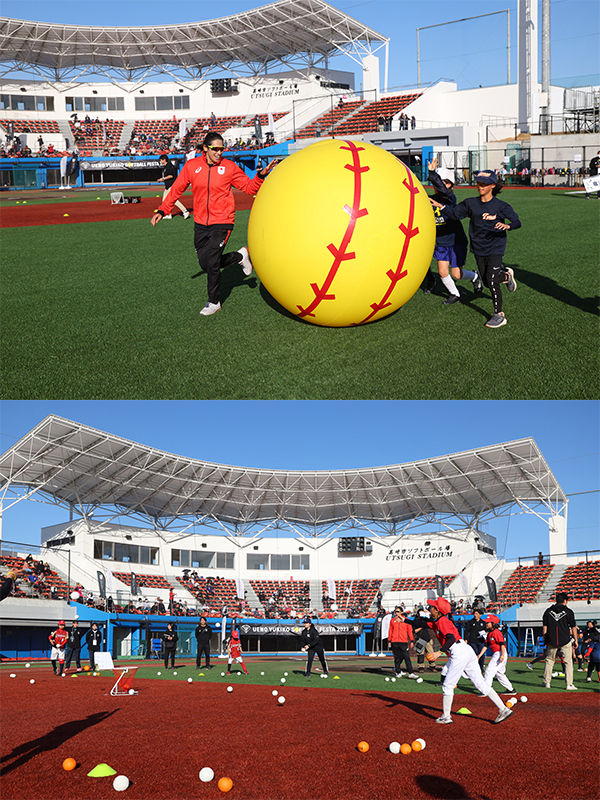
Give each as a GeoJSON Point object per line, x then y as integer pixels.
{"type": "Point", "coordinates": [93, 211]}
{"type": "Point", "coordinates": [303, 750]}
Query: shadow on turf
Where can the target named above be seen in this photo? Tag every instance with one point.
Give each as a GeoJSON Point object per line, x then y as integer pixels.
{"type": "Point", "coordinates": [444, 789]}
{"type": "Point", "coordinates": [549, 287]}
{"type": "Point", "coordinates": [230, 279]}
{"type": "Point", "coordinates": [51, 740]}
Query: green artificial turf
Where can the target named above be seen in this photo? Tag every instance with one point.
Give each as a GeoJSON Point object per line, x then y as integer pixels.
{"type": "Point", "coordinates": [110, 310]}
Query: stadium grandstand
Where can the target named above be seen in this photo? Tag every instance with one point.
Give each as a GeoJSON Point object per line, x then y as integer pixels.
{"type": "Point", "coordinates": [119, 97]}
{"type": "Point", "coordinates": [152, 536]}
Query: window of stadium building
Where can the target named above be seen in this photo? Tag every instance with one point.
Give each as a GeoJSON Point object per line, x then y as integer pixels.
{"type": "Point", "coordinates": [162, 103]}
{"type": "Point", "coordinates": [277, 562]}
{"type": "Point", "coordinates": [126, 553]}
{"type": "Point", "coordinates": [18, 102]}
{"type": "Point", "coordinates": [201, 560]}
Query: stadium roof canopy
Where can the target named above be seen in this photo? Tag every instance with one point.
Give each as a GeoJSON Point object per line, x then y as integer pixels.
{"type": "Point", "coordinates": [93, 473]}
{"type": "Point", "coordinates": [289, 33]}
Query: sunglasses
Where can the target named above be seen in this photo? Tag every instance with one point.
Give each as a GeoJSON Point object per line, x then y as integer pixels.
{"type": "Point", "coordinates": [216, 149]}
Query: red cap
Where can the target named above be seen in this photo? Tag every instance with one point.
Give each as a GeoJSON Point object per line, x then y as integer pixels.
{"type": "Point", "coordinates": [442, 605]}
{"type": "Point", "coordinates": [492, 618]}
{"type": "Point", "coordinates": [61, 622]}
{"type": "Point", "coordinates": [235, 635]}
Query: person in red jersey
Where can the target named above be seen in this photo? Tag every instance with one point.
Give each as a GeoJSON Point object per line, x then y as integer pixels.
{"type": "Point", "coordinates": [234, 650]}
{"type": "Point", "coordinates": [58, 640]}
{"type": "Point", "coordinates": [496, 667]}
{"type": "Point", "coordinates": [212, 178]}
{"type": "Point", "coordinates": [461, 660]}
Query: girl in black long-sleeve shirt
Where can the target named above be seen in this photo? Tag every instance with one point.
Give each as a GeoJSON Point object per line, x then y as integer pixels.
{"type": "Point", "coordinates": [170, 638]}
{"type": "Point", "coordinates": [487, 233]}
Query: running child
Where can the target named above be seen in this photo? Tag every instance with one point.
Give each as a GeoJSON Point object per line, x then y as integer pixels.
{"type": "Point", "coordinates": [234, 651]}
{"type": "Point", "coordinates": [461, 660]}
{"type": "Point", "coordinates": [593, 653]}
{"type": "Point", "coordinates": [496, 667]}
{"type": "Point", "coordinates": [450, 242]}
{"type": "Point", "coordinates": [487, 232]}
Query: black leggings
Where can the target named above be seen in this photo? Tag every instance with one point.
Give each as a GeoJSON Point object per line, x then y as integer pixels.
{"type": "Point", "coordinates": [169, 653]}
{"type": "Point", "coordinates": [319, 651]}
{"type": "Point", "coordinates": [493, 275]}
{"type": "Point", "coordinates": [209, 241]}
{"type": "Point", "coordinates": [203, 649]}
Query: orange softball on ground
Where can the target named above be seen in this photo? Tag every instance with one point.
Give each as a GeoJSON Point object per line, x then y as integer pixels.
{"type": "Point", "coordinates": [416, 745]}
{"type": "Point", "coordinates": [225, 784]}
{"type": "Point", "coordinates": [363, 746]}
{"type": "Point", "coordinates": [69, 764]}
{"type": "Point", "coordinates": [405, 749]}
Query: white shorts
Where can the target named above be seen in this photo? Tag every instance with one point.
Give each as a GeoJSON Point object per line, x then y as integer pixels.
{"type": "Point", "coordinates": [237, 659]}
{"type": "Point", "coordinates": [57, 654]}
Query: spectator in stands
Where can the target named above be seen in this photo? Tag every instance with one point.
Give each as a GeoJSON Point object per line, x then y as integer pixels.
{"type": "Point", "coordinates": [379, 600]}
{"type": "Point", "coordinates": [203, 636]}
{"type": "Point", "coordinates": [400, 638]}
{"type": "Point", "coordinates": [9, 583]}
{"type": "Point", "coordinates": [559, 628]}
{"type": "Point", "coordinates": [312, 645]}
{"type": "Point", "coordinates": [413, 123]}
{"type": "Point", "coordinates": [475, 634]}
{"type": "Point", "coordinates": [73, 647]}
{"type": "Point", "coordinates": [170, 639]}
{"type": "Point", "coordinates": [214, 217]}
{"type": "Point", "coordinates": [381, 123]}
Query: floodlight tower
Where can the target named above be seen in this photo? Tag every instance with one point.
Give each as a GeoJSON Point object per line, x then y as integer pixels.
{"type": "Point", "coordinates": [527, 69]}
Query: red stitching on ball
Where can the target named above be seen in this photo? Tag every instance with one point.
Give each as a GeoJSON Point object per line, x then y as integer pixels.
{"type": "Point", "coordinates": [409, 232]}
{"type": "Point", "coordinates": [341, 254]}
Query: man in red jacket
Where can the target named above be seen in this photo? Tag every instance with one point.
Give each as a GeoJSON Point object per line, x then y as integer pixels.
{"type": "Point", "coordinates": [212, 178]}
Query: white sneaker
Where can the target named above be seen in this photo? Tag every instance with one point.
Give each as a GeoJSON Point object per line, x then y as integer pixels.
{"type": "Point", "coordinates": [210, 308]}
{"type": "Point", "coordinates": [246, 263]}
{"type": "Point", "coordinates": [186, 214]}
{"type": "Point", "coordinates": [401, 675]}
{"type": "Point", "coordinates": [571, 688]}
{"type": "Point", "coordinates": [546, 685]}
{"type": "Point", "coordinates": [413, 675]}
{"type": "Point", "coordinates": [444, 720]}
{"type": "Point", "coordinates": [168, 216]}
{"type": "Point", "coordinates": [504, 714]}
{"type": "Point", "coordinates": [588, 680]}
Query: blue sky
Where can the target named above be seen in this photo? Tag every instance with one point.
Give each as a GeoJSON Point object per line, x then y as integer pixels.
{"type": "Point", "coordinates": [341, 435]}
{"type": "Point", "coordinates": [472, 53]}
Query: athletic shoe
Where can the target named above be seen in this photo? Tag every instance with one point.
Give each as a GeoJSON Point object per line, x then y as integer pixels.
{"type": "Point", "coordinates": [580, 669]}
{"type": "Point", "coordinates": [430, 285]}
{"type": "Point", "coordinates": [511, 283]}
{"type": "Point", "coordinates": [546, 685]}
{"type": "Point", "coordinates": [444, 720]}
{"type": "Point", "coordinates": [497, 321]}
{"type": "Point", "coordinates": [413, 675]}
{"type": "Point", "coordinates": [504, 714]}
{"type": "Point", "coordinates": [398, 674]}
{"type": "Point", "coordinates": [507, 692]}
{"type": "Point", "coordinates": [307, 674]}
{"type": "Point", "coordinates": [168, 216]}
{"type": "Point", "coordinates": [529, 666]}
{"type": "Point", "coordinates": [571, 688]}
{"type": "Point", "coordinates": [478, 284]}
{"type": "Point", "coordinates": [401, 675]}
{"type": "Point", "coordinates": [449, 301]}
{"type": "Point", "coordinates": [246, 263]}
{"type": "Point", "coordinates": [588, 680]}
{"type": "Point", "coordinates": [186, 214]}
{"type": "Point", "coordinates": [325, 674]}
{"type": "Point", "coordinates": [210, 308]}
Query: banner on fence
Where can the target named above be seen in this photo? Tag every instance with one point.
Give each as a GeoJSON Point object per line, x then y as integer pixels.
{"type": "Point", "coordinates": [324, 627]}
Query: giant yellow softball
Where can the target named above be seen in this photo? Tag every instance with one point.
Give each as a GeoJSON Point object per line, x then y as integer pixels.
{"type": "Point", "coordinates": [341, 233]}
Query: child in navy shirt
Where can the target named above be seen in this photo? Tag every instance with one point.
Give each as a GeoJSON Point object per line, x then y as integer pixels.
{"type": "Point", "coordinates": [487, 233]}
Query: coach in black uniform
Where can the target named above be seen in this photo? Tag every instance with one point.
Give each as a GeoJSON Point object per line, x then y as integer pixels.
{"type": "Point", "coordinates": [169, 173]}
{"type": "Point", "coordinates": [203, 636]}
{"type": "Point", "coordinates": [73, 647]}
{"type": "Point", "coordinates": [312, 645]}
{"type": "Point", "coordinates": [94, 642]}
{"type": "Point", "coordinates": [560, 630]}
{"type": "Point", "coordinates": [473, 629]}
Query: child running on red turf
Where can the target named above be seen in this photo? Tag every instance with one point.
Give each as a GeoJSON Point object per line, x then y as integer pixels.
{"type": "Point", "coordinates": [487, 232]}
{"type": "Point", "coordinates": [461, 659]}
{"type": "Point", "coordinates": [496, 667]}
{"type": "Point", "coordinates": [234, 650]}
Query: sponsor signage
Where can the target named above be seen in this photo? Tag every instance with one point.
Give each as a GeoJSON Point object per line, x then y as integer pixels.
{"type": "Point", "coordinates": [97, 164]}
{"type": "Point", "coordinates": [324, 627]}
